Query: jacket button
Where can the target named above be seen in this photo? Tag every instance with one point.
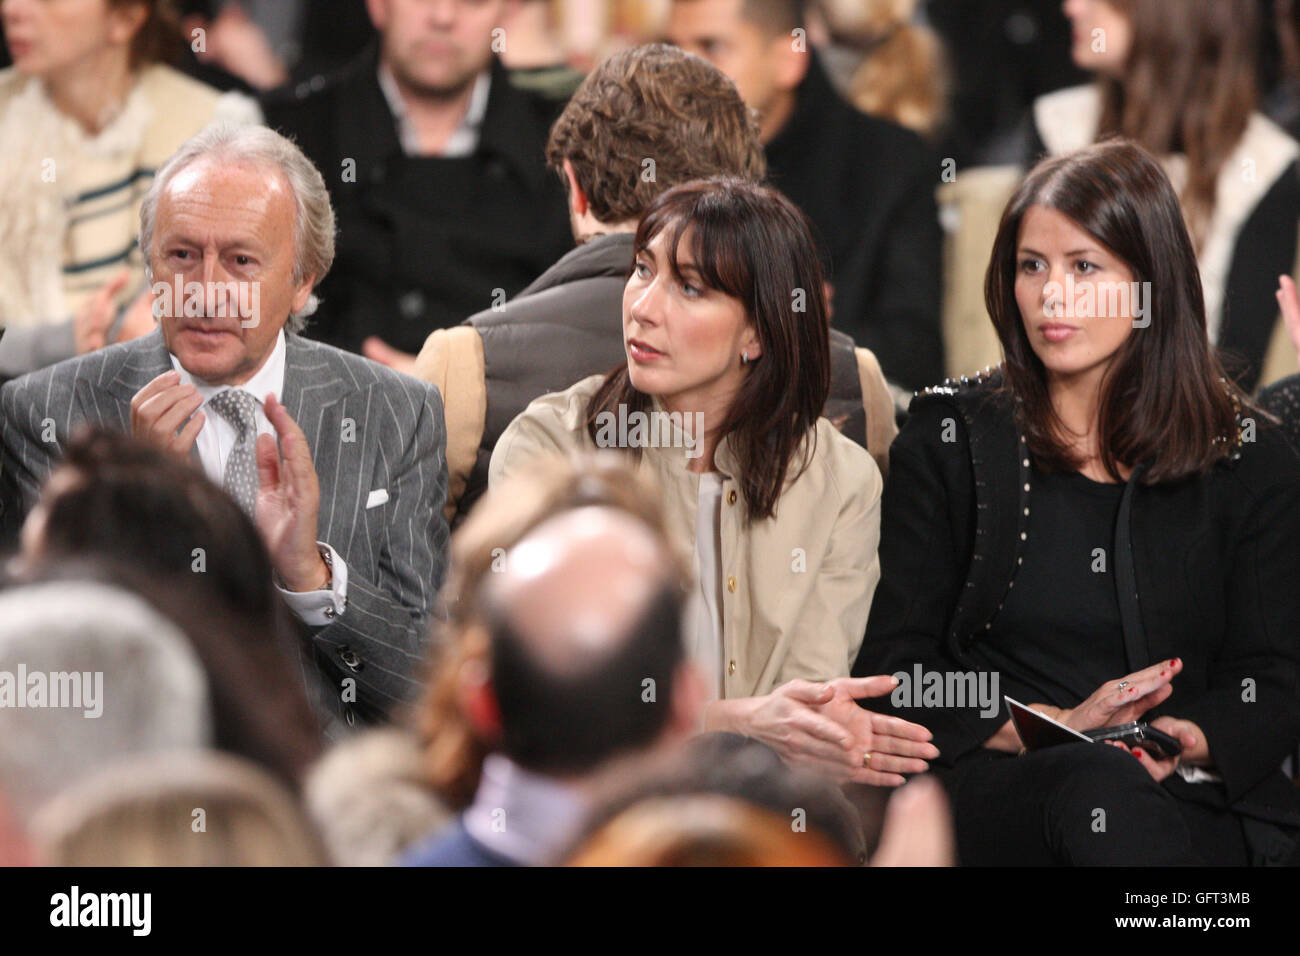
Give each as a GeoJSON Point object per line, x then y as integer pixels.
{"type": "Point", "coordinates": [411, 304]}
{"type": "Point", "coordinates": [349, 658]}
{"type": "Point", "coordinates": [731, 668]}
{"type": "Point", "coordinates": [731, 496]}
{"type": "Point", "coordinates": [731, 585]}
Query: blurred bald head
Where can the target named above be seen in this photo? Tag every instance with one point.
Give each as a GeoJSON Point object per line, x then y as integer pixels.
{"type": "Point", "coordinates": [585, 618]}
{"type": "Point", "coordinates": [575, 587]}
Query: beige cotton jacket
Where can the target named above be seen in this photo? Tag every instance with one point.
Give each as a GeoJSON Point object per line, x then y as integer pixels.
{"type": "Point", "coordinates": [796, 588]}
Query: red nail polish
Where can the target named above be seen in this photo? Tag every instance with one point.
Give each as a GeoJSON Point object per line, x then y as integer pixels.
{"type": "Point", "coordinates": [1174, 662]}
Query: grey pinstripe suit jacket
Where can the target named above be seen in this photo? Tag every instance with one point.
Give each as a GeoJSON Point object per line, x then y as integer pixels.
{"type": "Point", "coordinates": [370, 430]}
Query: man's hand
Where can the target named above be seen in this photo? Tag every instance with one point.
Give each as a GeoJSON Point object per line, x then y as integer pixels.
{"type": "Point", "coordinates": [158, 410]}
{"type": "Point", "coordinates": [288, 502]}
{"type": "Point", "coordinates": [139, 319]}
{"type": "Point", "coordinates": [377, 350]}
{"type": "Point", "coordinates": [90, 327]}
{"type": "Point", "coordinates": [237, 44]}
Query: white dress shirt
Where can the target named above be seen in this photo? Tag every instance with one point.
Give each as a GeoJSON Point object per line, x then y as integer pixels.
{"type": "Point", "coordinates": [215, 441]}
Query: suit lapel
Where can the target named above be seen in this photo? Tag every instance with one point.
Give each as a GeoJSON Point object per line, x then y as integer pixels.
{"type": "Point", "coordinates": [143, 361]}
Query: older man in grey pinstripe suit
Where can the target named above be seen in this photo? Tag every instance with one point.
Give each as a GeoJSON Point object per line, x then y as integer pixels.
{"type": "Point", "coordinates": [340, 461]}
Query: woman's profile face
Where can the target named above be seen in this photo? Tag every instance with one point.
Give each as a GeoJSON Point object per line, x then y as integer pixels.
{"type": "Point", "coordinates": [683, 340]}
{"type": "Point", "coordinates": [1101, 36]}
{"type": "Point", "coordinates": [47, 37]}
{"type": "Point", "coordinates": [1078, 300]}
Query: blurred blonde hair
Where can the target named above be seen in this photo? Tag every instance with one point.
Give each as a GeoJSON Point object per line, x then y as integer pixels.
{"type": "Point", "coordinates": [453, 751]}
{"type": "Point", "coordinates": [184, 808]}
{"type": "Point", "coordinates": [703, 830]}
{"type": "Point", "coordinates": [902, 76]}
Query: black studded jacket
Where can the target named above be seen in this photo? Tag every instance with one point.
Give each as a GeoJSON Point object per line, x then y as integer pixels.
{"type": "Point", "coordinates": [1207, 569]}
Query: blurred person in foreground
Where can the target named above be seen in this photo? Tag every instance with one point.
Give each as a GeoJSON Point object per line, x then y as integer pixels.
{"type": "Point", "coordinates": [118, 510]}
{"type": "Point", "coordinates": [867, 184]}
{"type": "Point", "coordinates": [719, 403]}
{"type": "Point", "coordinates": [434, 161]}
{"type": "Point", "coordinates": [726, 800]}
{"type": "Point", "coordinates": [191, 808]}
{"type": "Point", "coordinates": [585, 674]}
{"type": "Point", "coordinates": [90, 673]}
{"type": "Point", "coordinates": [644, 121]}
{"type": "Point", "coordinates": [453, 744]}
{"type": "Point", "coordinates": [338, 460]}
{"type": "Point", "coordinates": [88, 112]}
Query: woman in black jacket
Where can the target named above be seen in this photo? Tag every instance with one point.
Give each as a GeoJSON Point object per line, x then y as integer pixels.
{"type": "Point", "coordinates": [1105, 530]}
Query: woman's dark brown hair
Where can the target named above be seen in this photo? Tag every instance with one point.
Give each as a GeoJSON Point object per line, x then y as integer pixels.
{"type": "Point", "coordinates": [753, 244]}
{"type": "Point", "coordinates": [1188, 87]}
{"type": "Point", "coordinates": [1165, 401]}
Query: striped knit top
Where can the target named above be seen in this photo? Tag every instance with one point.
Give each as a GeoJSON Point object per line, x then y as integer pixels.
{"type": "Point", "coordinates": [70, 201]}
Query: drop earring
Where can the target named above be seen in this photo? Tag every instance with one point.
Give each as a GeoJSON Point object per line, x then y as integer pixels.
{"type": "Point", "coordinates": [744, 357]}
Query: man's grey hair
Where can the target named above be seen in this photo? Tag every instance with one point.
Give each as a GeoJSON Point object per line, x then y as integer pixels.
{"type": "Point", "coordinates": [313, 231]}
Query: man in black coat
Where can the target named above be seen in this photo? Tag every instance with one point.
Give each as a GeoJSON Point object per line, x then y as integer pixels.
{"type": "Point", "coordinates": [435, 165]}
{"type": "Point", "coordinates": [867, 184]}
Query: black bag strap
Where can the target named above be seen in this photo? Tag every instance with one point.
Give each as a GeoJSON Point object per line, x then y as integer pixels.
{"type": "Point", "coordinates": [1130, 610]}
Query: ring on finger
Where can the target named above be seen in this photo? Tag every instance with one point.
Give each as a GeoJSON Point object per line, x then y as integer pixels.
{"type": "Point", "coordinates": [1122, 685]}
{"type": "Point", "coordinates": [866, 759]}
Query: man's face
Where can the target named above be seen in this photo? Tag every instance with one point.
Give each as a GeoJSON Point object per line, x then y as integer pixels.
{"type": "Point", "coordinates": [228, 227]}
{"type": "Point", "coordinates": [716, 31]}
{"type": "Point", "coordinates": [437, 47]}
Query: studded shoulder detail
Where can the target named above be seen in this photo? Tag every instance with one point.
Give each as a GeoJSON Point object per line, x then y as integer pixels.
{"type": "Point", "coordinates": [951, 386]}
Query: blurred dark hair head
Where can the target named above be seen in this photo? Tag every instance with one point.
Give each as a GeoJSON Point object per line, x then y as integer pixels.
{"type": "Point", "coordinates": [751, 243]}
{"type": "Point", "coordinates": [729, 765]}
{"type": "Point", "coordinates": [120, 511]}
{"type": "Point", "coordinates": [1165, 400]}
{"type": "Point", "coordinates": [122, 499]}
{"type": "Point", "coordinates": [570, 723]}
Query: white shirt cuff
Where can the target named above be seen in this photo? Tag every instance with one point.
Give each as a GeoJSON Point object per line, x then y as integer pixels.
{"type": "Point", "coordinates": [323, 607]}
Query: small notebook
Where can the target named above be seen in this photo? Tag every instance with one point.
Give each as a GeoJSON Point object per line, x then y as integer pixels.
{"type": "Point", "coordinates": [1038, 730]}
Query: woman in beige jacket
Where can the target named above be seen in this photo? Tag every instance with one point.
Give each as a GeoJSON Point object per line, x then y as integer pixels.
{"type": "Point", "coordinates": [726, 331]}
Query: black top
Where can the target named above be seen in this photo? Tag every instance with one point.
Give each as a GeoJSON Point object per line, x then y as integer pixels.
{"type": "Point", "coordinates": [1283, 400]}
{"type": "Point", "coordinates": [868, 186]}
{"type": "Point", "coordinates": [1059, 628]}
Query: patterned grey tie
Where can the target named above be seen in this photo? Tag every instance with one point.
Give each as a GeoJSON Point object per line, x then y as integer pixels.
{"type": "Point", "coordinates": [239, 408]}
